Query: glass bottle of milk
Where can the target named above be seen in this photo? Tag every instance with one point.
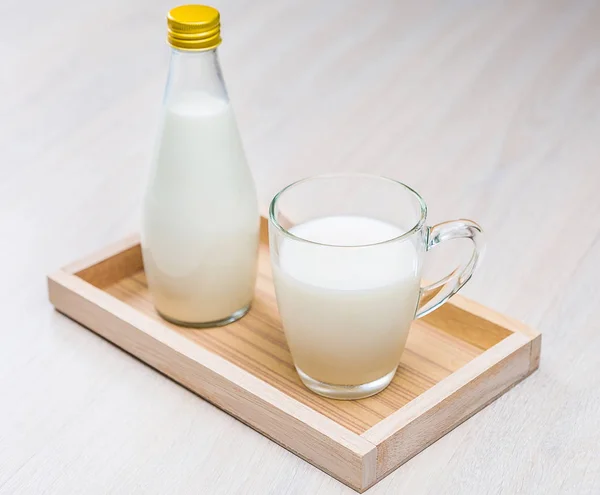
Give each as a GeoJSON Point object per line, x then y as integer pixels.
{"type": "Point", "coordinates": [200, 224]}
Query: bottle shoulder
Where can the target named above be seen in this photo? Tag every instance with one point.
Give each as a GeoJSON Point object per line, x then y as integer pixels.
{"type": "Point", "coordinates": [199, 140]}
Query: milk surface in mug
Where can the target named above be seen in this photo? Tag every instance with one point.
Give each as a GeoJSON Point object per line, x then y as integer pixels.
{"type": "Point", "coordinates": [346, 311]}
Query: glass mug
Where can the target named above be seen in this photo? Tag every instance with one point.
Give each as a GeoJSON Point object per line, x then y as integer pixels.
{"type": "Point", "coordinates": [347, 252]}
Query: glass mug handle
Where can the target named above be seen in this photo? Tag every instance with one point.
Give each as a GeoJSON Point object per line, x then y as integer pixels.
{"type": "Point", "coordinates": [436, 294]}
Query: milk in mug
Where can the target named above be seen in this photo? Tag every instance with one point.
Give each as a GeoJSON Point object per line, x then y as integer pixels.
{"type": "Point", "coordinates": [346, 311]}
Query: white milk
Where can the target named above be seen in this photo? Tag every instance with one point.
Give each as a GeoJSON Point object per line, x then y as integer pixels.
{"type": "Point", "coordinates": [346, 311]}
{"type": "Point", "coordinates": [201, 220]}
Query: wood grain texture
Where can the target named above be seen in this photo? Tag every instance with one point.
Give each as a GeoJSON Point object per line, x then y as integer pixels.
{"type": "Point", "coordinates": [491, 110]}
{"type": "Point", "coordinates": [257, 344]}
{"type": "Point", "coordinates": [246, 369]}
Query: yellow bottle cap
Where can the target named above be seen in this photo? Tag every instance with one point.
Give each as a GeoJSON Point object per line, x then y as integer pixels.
{"type": "Point", "coordinates": [194, 27]}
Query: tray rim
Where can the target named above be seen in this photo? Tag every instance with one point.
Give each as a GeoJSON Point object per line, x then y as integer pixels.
{"type": "Point", "coordinates": [358, 460]}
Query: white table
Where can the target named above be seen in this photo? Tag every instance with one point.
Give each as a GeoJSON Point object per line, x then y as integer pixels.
{"type": "Point", "coordinates": [490, 109]}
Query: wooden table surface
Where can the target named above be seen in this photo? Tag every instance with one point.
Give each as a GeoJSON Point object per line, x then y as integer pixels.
{"type": "Point", "coordinates": [490, 109]}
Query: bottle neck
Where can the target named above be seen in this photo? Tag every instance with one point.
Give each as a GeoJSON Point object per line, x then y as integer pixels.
{"type": "Point", "coordinates": [195, 71]}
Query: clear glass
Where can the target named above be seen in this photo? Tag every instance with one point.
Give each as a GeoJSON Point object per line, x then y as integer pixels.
{"type": "Point", "coordinates": [193, 71]}
{"type": "Point", "coordinates": [347, 253]}
{"type": "Point", "coordinates": [200, 227]}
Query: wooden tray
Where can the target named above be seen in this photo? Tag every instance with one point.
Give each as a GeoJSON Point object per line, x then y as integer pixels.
{"type": "Point", "coordinates": [457, 360]}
